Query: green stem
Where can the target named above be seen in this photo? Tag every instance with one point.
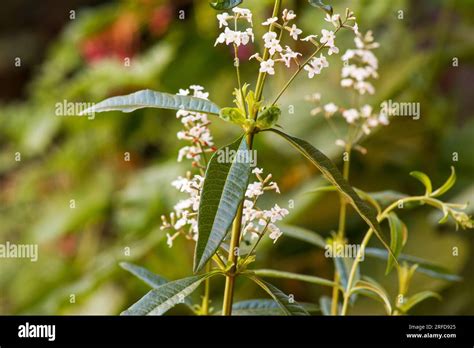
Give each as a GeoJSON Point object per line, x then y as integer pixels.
{"type": "Point", "coordinates": [342, 228]}
{"type": "Point", "coordinates": [237, 224]}
{"type": "Point", "coordinates": [266, 54]}
{"type": "Point", "coordinates": [207, 290]}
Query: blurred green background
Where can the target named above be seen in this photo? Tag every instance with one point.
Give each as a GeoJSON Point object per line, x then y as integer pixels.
{"type": "Point", "coordinates": [119, 203]}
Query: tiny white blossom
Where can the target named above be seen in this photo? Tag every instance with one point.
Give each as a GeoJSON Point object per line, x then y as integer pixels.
{"type": "Point", "coordinates": [271, 20]}
{"type": "Point", "coordinates": [288, 15]}
{"type": "Point", "coordinates": [275, 232]}
{"type": "Point", "coordinates": [257, 171]}
{"type": "Point", "coordinates": [267, 66]}
{"type": "Point", "coordinates": [254, 190]}
{"type": "Point", "coordinates": [334, 19]}
{"type": "Point", "coordinates": [350, 115]}
{"type": "Point", "coordinates": [295, 32]}
{"type": "Point", "coordinates": [223, 18]}
{"type": "Point", "coordinates": [330, 109]}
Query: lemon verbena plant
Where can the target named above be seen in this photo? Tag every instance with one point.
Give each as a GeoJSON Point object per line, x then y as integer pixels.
{"type": "Point", "coordinates": [223, 214]}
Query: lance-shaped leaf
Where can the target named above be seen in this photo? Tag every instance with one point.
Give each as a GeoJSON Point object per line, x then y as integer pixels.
{"type": "Point", "coordinates": [271, 273]}
{"type": "Point", "coordinates": [265, 307]}
{"type": "Point", "coordinates": [224, 188]}
{"type": "Point", "coordinates": [321, 5]}
{"type": "Point", "coordinates": [302, 234]}
{"type": "Point", "coordinates": [161, 299]}
{"type": "Point", "coordinates": [224, 4]}
{"type": "Point", "coordinates": [332, 174]}
{"type": "Point", "coordinates": [374, 290]}
{"type": "Point", "coordinates": [287, 304]}
{"type": "Point", "coordinates": [424, 266]}
{"type": "Point", "coordinates": [152, 99]}
{"type": "Point", "coordinates": [425, 180]}
{"type": "Point", "coordinates": [447, 185]}
{"type": "Point", "coordinates": [417, 298]}
{"type": "Point", "coordinates": [343, 266]}
{"type": "Point", "coordinates": [150, 278]}
{"type": "Point", "coordinates": [398, 238]}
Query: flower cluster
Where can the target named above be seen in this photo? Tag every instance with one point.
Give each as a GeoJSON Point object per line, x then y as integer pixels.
{"type": "Point", "coordinates": [183, 219]}
{"type": "Point", "coordinates": [235, 37]}
{"type": "Point", "coordinates": [360, 64]}
{"type": "Point", "coordinates": [314, 65]}
{"type": "Point", "coordinates": [364, 118]}
{"type": "Point", "coordinates": [196, 130]}
{"type": "Point", "coordinates": [256, 222]}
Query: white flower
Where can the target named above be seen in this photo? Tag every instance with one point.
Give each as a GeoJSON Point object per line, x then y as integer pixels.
{"type": "Point", "coordinates": [235, 37]}
{"type": "Point", "coordinates": [275, 232]}
{"type": "Point", "coordinates": [254, 190]}
{"type": "Point", "coordinates": [316, 65]}
{"type": "Point", "coordinates": [243, 13]}
{"type": "Point", "coordinates": [334, 19]}
{"type": "Point", "coordinates": [269, 36]}
{"type": "Point", "coordinates": [270, 21]}
{"type": "Point", "coordinates": [328, 37]}
{"type": "Point", "coordinates": [330, 109]}
{"type": "Point", "coordinates": [257, 171]}
{"type": "Point", "coordinates": [350, 115]}
{"type": "Point", "coordinates": [289, 55]}
{"type": "Point", "coordinates": [347, 82]}
{"type": "Point", "coordinates": [267, 66]}
{"type": "Point", "coordinates": [288, 15]}
{"type": "Point", "coordinates": [295, 32]}
{"type": "Point", "coordinates": [276, 213]}
{"type": "Point", "coordinates": [223, 18]}
{"type": "Point", "coordinates": [333, 49]}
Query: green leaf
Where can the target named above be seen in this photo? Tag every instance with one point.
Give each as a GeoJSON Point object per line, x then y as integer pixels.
{"type": "Point", "coordinates": [417, 298]}
{"type": "Point", "coordinates": [233, 115]}
{"type": "Point", "coordinates": [425, 180]}
{"type": "Point", "coordinates": [265, 307]}
{"type": "Point", "coordinates": [362, 286]}
{"type": "Point", "coordinates": [447, 185]}
{"type": "Point", "coordinates": [224, 189]}
{"type": "Point", "coordinates": [302, 234]}
{"type": "Point", "coordinates": [270, 273]}
{"type": "Point", "coordinates": [332, 174]}
{"type": "Point", "coordinates": [224, 4]}
{"type": "Point", "coordinates": [321, 5]}
{"type": "Point", "coordinates": [161, 299]}
{"type": "Point", "coordinates": [143, 274]}
{"type": "Point", "coordinates": [364, 195]}
{"type": "Point", "coordinates": [151, 99]}
{"type": "Point", "coordinates": [287, 304]}
{"type": "Point", "coordinates": [424, 266]}
{"type": "Point", "coordinates": [398, 237]}
{"type": "Point", "coordinates": [268, 117]}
